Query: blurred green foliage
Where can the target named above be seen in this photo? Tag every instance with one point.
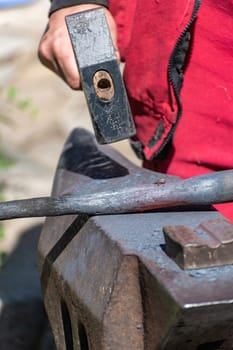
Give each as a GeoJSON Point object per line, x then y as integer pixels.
{"type": "Point", "coordinates": [11, 103]}
{"type": "Point", "coordinates": [5, 162]}
{"type": "Point", "coordinates": [11, 98]}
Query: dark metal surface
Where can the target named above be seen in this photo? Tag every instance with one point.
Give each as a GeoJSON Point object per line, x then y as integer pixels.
{"type": "Point", "coordinates": [134, 190]}
{"type": "Point", "coordinates": [126, 195]}
{"type": "Point", "coordinates": [209, 244]}
{"type": "Point", "coordinates": [108, 283]}
{"type": "Point", "coordinates": [101, 77]}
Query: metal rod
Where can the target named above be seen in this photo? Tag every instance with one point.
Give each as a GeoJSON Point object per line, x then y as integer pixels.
{"type": "Point", "coordinates": [199, 190]}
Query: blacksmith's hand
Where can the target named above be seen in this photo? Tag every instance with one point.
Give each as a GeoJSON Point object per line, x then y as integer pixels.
{"type": "Point", "coordinates": [55, 50]}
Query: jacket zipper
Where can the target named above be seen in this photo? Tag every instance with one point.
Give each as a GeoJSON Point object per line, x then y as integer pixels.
{"type": "Point", "coordinates": [176, 89]}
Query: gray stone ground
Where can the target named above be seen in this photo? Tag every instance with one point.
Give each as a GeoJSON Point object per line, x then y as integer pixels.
{"type": "Point", "coordinates": [37, 112]}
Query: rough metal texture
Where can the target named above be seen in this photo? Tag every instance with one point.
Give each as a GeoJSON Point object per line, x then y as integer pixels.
{"type": "Point", "coordinates": [94, 52]}
{"type": "Point", "coordinates": [84, 28]}
{"type": "Point", "coordinates": [127, 195]}
{"type": "Point", "coordinates": [107, 281]}
{"type": "Point", "coordinates": [209, 244]}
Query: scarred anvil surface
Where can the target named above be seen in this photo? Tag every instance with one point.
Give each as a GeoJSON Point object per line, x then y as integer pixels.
{"type": "Point", "coordinates": [108, 282]}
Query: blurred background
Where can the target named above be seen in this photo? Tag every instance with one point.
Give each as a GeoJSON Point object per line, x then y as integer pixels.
{"type": "Point", "coordinates": [37, 112]}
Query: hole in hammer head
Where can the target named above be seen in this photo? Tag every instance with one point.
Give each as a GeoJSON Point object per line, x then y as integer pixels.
{"type": "Point", "coordinates": [103, 85]}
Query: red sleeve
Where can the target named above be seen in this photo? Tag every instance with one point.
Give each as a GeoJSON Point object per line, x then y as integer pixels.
{"type": "Point", "coordinates": [59, 4]}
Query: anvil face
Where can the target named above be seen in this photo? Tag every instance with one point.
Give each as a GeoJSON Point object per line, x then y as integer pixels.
{"type": "Point", "coordinates": [109, 283]}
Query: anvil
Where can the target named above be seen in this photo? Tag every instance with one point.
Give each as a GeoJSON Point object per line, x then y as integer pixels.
{"type": "Point", "coordinates": [139, 191]}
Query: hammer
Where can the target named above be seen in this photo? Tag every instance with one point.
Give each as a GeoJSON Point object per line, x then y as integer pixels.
{"type": "Point", "coordinates": [100, 75]}
{"type": "Point", "coordinates": [120, 195]}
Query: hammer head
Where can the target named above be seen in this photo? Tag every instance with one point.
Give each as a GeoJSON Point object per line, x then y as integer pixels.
{"type": "Point", "coordinates": [100, 76]}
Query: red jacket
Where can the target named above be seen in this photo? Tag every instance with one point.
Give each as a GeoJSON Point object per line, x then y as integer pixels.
{"type": "Point", "coordinates": [183, 131]}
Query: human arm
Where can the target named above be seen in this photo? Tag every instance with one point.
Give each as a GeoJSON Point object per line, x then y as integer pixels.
{"type": "Point", "coordinates": [55, 50]}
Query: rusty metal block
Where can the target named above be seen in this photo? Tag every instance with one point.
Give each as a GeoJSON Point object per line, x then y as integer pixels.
{"type": "Point", "coordinates": [209, 244]}
{"type": "Point", "coordinates": [107, 281]}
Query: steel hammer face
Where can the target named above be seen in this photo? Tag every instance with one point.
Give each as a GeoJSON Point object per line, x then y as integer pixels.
{"type": "Point", "coordinates": [100, 75]}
